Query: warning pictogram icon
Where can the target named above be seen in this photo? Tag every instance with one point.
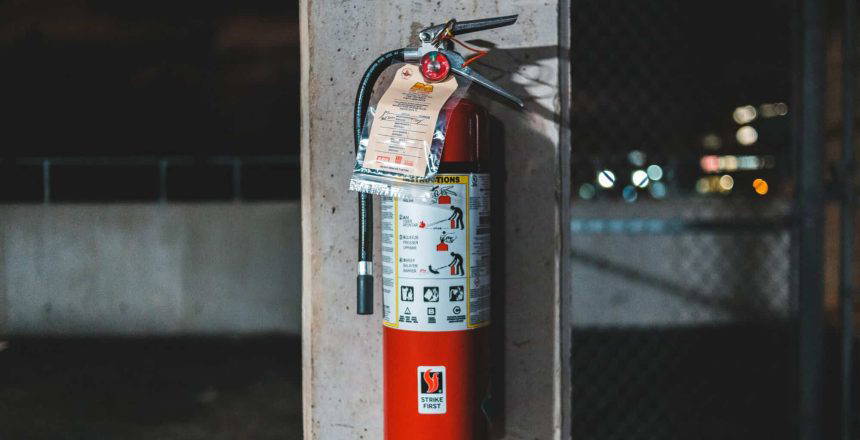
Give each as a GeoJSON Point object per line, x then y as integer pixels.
{"type": "Point", "coordinates": [443, 194]}
{"type": "Point", "coordinates": [455, 293]}
{"type": "Point", "coordinates": [444, 240]}
{"type": "Point", "coordinates": [431, 294]}
{"type": "Point", "coordinates": [407, 293]}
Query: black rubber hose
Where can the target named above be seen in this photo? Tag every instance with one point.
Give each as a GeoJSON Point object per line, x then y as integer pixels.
{"type": "Point", "coordinates": [364, 282]}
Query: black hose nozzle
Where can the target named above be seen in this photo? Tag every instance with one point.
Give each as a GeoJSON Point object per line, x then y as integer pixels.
{"type": "Point", "coordinates": [364, 295]}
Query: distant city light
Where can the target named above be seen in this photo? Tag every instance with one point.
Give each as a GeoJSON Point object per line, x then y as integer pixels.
{"type": "Point", "coordinates": [657, 190]}
{"type": "Point", "coordinates": [655, 172]}
{"type": "Point", "coordinates": [710, 164]}
{"type": "Point", "coordinates": [636, 157]}
{"type": "Point", "coordinates": [711, 141]}
{"type": "Point", "coordinates": [606, 179]}
{"type": "Point", "coordinates": [630, 194]}
{"type": "Point", "coordinates": [703, 186]}
{"type": "Point", "coordinates": [715, 184]}
{"type": "Point", "coordinates": [716, 164]}
{"type": "Point", "coordinates": [728, 163]}
{"type": "Point", "coordinates": [760, 186]}
{"type": "Point", "coordinates": [587, 191]}
{"type": "Point", "coordinates": [744, 115]}
{"type": "Point", "coordinates": [748, 162]}
{"type": "Point", "coordinates": [727, 182]}
{"type": "Point", "coordinates": [746, 135]}
{"type": "Point", "coordinates": [772, 110]}
{"type": "Point", "coordinates": [639, 178]}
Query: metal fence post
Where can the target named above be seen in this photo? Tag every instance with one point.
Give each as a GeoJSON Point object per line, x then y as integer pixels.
{"type": "Point", "coordinates": [810, 221]}
{"type": "Point", "coordinates": [846, 250]}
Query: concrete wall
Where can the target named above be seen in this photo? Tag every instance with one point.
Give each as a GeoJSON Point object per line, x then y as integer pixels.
{"type": "Point", "coordinates": [149, 269]}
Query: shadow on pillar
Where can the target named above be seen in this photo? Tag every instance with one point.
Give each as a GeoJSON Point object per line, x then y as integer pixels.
{"type": "Point", "coordinates": [507, 65]}
{"type": "Point", "coordinates": [496, 411]}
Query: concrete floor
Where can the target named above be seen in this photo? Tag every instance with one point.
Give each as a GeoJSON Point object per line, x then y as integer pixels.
{"type": "Point", "coordinates": [214, 388]}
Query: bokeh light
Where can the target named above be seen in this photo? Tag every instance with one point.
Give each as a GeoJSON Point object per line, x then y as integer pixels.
{"type": "Point", "coordinates": [606, 179]}
{"type": "Point", "coordinates": [587, 191]}
{"type": "Point", "coordinates": [711, 141]}
{"type": "Point", "coordinates": [636, 157]}
{"type": "Point", "coordinates": [727, 182]}
{"type": "Point", "coordinates": [760, 186]}
{"type": "Point", "coordinates": [657, 190]}
{"type": "Point", "coordinates": [655, 172]}
{"type": "Point", "coordinates": [744, 115]}
{"type": "Point", "coordinates": [746, 135]}
{"type": "Point", "coordinates": [639, 178]}
{"type": "Point", "coordinates": [630, 194]}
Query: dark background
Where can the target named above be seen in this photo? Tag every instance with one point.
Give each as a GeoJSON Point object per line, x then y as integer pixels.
{"type": "Point", "coordinates": [147, 100]}
{"type": "Point", "coordinates": [115, 102]}
{"type": "Point", "coordinates": [721, 360]}
{"type": "Point", "coordinates": [659, 76]}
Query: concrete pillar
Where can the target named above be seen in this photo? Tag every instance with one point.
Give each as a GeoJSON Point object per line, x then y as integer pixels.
{"type": "Point", "coordinates": [342, 351]}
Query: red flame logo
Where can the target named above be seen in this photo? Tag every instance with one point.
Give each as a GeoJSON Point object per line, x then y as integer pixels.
{"type": "Point", "coordinates": [432, 380]}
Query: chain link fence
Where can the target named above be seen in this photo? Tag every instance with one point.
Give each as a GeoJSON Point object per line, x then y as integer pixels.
{"type": "Point", "coordinates": [683, 312]}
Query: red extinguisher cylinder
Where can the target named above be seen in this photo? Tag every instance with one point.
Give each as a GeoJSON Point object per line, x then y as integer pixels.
{"type": "Point", "coordinates": [465, 354]}
{"type": "Point", "coordinates": [458, 360]}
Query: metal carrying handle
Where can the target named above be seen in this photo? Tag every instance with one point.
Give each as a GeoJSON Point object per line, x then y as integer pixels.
{"type": "Point", "coordinates": [433, 33]}
{"type": "Point", "coordinates": [465, 27]}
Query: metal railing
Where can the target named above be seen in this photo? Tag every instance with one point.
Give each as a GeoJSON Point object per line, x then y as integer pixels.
{"type": "Point", "coordinates": [161, 165]}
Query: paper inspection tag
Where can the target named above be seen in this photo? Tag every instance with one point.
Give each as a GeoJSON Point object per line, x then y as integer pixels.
{"type": "Point", "coordinates": [404, 123]}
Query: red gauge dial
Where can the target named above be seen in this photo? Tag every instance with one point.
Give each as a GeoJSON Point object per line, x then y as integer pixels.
{"type": "Point", "coordinates": [435, 66]}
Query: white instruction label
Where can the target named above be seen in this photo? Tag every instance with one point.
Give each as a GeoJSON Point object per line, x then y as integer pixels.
{"type": "Point", "coordinates": [436, 257]}
{"type": "Point", "coordinates": [432, 391]}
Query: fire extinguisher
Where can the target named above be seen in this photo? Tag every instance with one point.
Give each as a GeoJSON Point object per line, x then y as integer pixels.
{"type": "Point", "coordinates": [435, 260]}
